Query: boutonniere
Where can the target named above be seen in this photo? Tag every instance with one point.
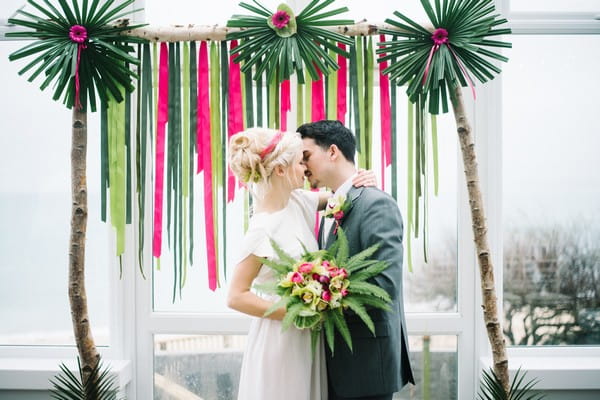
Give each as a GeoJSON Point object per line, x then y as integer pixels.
{"type": "Point", "coordinates": [337, 207]}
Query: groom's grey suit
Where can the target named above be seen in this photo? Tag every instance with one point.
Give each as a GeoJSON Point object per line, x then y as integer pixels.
{"type": "Point", "coordinates": [378, 365]}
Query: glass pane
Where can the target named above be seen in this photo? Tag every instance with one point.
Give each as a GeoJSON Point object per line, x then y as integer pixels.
{"type": "Point", "coordinates": [431, 286]}
{"type": "Point", "coordinates": [435, 368]}
{"type": "Point", "coordinates": [555, 5]}
{"type": "Point", "coordinates": [205, 365]}
{"type": "Point", "coordinates": [209, 366]}
{"type": "Point", "coordinates": [551, 179]}
{"type": "Point", "coordinates": [35, 213]}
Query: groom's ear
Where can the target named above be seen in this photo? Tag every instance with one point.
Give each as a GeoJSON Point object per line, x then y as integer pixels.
{"type": "Point", "coordinates": [334, 152]}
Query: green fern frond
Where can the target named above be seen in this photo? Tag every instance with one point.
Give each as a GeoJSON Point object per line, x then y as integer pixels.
{"type": "Point", "coordinates": [361, 311]}
{"type": "Point", "coordinates": [366, 288]}
{"type": "Point", "coordinates": [281, 254]}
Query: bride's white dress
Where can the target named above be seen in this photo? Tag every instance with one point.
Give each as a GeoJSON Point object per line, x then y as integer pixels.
{"type": "Point", "coordinates": [278, 364]}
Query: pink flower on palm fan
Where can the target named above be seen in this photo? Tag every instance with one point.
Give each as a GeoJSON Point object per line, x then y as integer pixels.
{"type": "Point", "coordinates": [280, 19]}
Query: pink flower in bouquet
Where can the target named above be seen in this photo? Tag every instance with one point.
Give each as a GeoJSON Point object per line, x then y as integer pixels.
{"type": "Point", "coordinates": [326, 295]}
{"type": "Point", "coordinates": [305, 268]}
{"type": "Point", "coordinates": [338, 215]}
{"type": "Point", "coordinates": [280, 19]}
{"type": "Point", "coordinates": [325, 264]}
{"type": "Point", "coordinates": [297, 277]}
{"type": "Point", "coordinates": [323, 279]}
{"type": "Point", "coordinates": [342, 272]}
{"type": "Point", "coordinates": [344, 292]}
{"type": "Point", "coordinates": [333, 271]}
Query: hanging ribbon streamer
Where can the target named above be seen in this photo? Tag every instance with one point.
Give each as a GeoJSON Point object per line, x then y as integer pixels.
{"type": "Point", "coordinates": [205, 160]}
{"type": "Point", "coordinates": [161, 121]}
{"type": "Point", "coordinates": [368, 86]}
{"type": "Point", "coordinates": [235, 120]}
{"type": "Point", "coordinates": [318, 100]}
{"type": "Point", "coordinates": [78, 34]}
{"type": "Point", "coordinates": [342, 84]}
{"type": "Point", "coordinates": [213, 140]}
{"type": "Point", "coordinates": [285, 104]}
{"type": "Point", "coordinates": [331, 83]}
{"type": "Point", "coordinates": [385, 108]}
{"type": "Point", "coordinates": [117, 170]}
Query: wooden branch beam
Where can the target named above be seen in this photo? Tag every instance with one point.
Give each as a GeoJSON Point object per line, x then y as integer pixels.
{"type": "Point", "coordinates": [184, 33]}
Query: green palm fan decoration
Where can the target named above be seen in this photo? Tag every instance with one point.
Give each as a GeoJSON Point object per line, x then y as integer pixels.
{"type": "Point", "coordinates": [281, 43]}
{"type": "Point", "coordinates": [98, 385]}
{"type": "Point", "coordinates": [432, 64]}
{"type": "Point", "coordinates": [491, 387]}
{"type": "Point", "coordinates": [77, 49]}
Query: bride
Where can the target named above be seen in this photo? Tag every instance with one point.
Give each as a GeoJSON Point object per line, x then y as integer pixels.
{"type": "Point", "coordinates": [277, 363]}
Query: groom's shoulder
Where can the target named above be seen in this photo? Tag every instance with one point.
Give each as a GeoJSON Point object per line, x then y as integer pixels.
{"type": "Point", "coordinates": [372, 194]}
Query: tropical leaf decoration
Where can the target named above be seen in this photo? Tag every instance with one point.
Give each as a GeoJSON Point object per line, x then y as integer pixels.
{"type": "Point", "coordinates": [279, 43]}
{"type": "Point", "coordinates": [432, 64]}
{"type": "Point", "coordinates": [491, 387]}
{"type": "Point", "coordinates": [77, 49]}
{"type": "Point", "coordinates": [318, 287]}
{"type": "Point", "coordinates": [98, 385]}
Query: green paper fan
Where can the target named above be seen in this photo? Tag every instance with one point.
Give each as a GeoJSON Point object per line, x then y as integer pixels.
{"type": "Point", "coordinates": [278, 45]}
{"type": "Point", "coordinates": [102, 49]}
{"type": "Point", "coordinates": [433, 63]}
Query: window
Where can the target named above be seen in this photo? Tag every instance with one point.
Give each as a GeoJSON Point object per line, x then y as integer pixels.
{"type": "Point", "coordinates": [551, 191]}
{"type": "Point", "coordinates": [35, 199]}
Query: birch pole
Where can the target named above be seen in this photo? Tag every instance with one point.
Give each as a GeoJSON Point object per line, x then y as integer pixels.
{"type": "Point", "coordinates": [486, 268]}
{"type": "Point", "coordinates": [86, 347]}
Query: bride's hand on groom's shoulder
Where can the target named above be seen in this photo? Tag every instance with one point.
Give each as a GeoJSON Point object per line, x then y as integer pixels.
{"type": "Point", "coordinates": [364, 178]}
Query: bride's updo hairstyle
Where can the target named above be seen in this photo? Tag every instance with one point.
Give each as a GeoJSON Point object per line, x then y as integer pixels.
{"type": "Point", "coordinates": [256, 152]}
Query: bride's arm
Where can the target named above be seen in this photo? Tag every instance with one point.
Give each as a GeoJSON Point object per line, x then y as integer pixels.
{"type": "Point", "coordinates": [241, 299]}
{"type": "Point", "coordinates": [362, 178]}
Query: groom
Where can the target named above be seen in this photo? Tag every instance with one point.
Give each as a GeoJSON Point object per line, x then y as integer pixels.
{"type": "Point", "coordinates": [378, 366]}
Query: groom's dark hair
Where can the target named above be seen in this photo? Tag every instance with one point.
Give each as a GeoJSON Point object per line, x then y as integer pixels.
{"type": "Point", "coordinates": [327, 132]}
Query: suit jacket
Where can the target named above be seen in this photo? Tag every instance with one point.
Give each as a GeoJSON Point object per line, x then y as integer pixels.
{"type": "Point", "coordinates": [380, 364]}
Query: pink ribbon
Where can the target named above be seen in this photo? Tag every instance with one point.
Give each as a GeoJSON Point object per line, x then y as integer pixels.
{"type": "Point", "coordinates": [235, 119]}
{"type": "Point", "coordinates": [203, 104]}
{"type": "Point", "coordinates": [285, 104]}
{"type": "Point", "coordinates": [162, 117]}
{"type": "Point", "coordinates": [386, 127]}
{"type": "Point", "coordinates": [78, 34]}
{"type": "Point", "coordinates": [318, 100]}
{"type": "Point", "coordinates": [205, 162]}
{"type": "Point", "coordinates": [440, 37]}
{"type": "Point", "coordinates": [342, 84]}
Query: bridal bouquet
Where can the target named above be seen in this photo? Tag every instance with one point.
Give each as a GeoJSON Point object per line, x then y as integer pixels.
{"type": "Point", "coordinates": [317, 288]}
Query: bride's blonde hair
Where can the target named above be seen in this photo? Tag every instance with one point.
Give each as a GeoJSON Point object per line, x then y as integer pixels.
{"type": "Point", "coordinates": [247, 147]}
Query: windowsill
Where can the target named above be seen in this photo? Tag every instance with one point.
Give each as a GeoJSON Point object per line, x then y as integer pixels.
{"type": "Point", "coordinates": [35, 373]}
{"type": "Point", "coordinates": [556, 372]}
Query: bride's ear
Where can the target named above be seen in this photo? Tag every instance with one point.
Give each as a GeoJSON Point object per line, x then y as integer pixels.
{"type": "Point", "coordinates": [279, 170]}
